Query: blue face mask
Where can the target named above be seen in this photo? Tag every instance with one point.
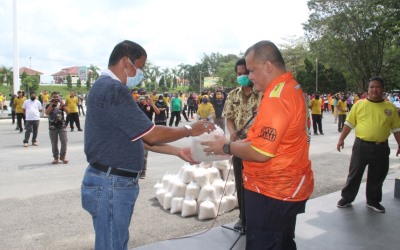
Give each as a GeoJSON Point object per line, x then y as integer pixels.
{"type": "Point", "coordinates": [133, 81]}
{"type": "Point", "coordinates": [243, 80]}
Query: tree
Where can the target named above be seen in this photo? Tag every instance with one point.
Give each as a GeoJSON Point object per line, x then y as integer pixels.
{"type": "Point", "coordinates": [69, 81]}
{"type": "Point", "coordinates": [88, 81]}
{"type": "Point", "coordinates": [6, 76]}
{"type": "Point", "coordinates": [354, 36]}
{"type": "Point", "coordinates": [30, 83]}
{"type": "Point", "coordinates": [94, 71]}
{"type": "Point", "coordinates": [78, 83]}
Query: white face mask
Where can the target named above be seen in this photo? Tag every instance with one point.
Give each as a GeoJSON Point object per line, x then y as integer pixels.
{"type": "Point", "coordinates": [133, 81]}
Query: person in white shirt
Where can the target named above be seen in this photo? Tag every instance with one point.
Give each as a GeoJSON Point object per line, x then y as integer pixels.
{"type": "Point", "coordinates": [32, 109]}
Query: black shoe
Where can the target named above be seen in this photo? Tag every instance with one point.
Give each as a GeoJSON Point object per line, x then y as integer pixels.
{"type": "Point", "coordinates": [322, 133]}
{"type": "Point", "coordinates": [142, 176]}
{"type": "Point", "coordinates": [72, 130]}
{"type": "Point", "coordinates": [377, 207]}
{"type": "Point", "coordinates": [343, 203]}
{"type": "Point", "coordinates": [80, 129]}
{"type": "Point", "coordinates": [238, 225]}
{"type": "Point", "coordinates": [315, 133]}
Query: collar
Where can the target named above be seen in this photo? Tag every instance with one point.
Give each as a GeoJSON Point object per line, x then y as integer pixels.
{"type": "Point", "coordinates": [282, 78]}
{"type": "Point", "coordinates": [109, 73]}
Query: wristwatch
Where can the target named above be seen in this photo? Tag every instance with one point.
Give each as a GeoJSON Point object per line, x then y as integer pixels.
{"type": "Point", "coordinates": [227, 148]}
{"type": "Point", "coordinates": [189, 128]}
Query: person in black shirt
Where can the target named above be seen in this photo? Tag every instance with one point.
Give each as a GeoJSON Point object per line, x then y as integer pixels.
{"type": "Point", "coordinates": [57, 126]}
{"type": "Point", "coordinates": [161, 118]}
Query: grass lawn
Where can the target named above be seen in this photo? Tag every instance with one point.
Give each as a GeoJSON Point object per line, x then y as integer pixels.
{"type": "Point", "coordinates": [63, 89]}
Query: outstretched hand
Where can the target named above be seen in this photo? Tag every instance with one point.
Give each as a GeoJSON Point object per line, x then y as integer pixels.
{"type": "Point", "coordinates": [202, 127]}
{"type": "Point", "coordinates": [186, 155]}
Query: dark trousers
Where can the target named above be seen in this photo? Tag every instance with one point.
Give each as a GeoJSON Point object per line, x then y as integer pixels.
{"type": "Point", "coordinates": [13, 116]}
{"type": "Point", "coordinates": [342, 119]}
{"type": "Point", "coordinates": [20, 117]}
{"type": "Point", "coordinates": [191, 111]}
{"type": "Point", "coordinates": [317, 123]}
{"type": "Point", "coordinates": [177, 115]}
{"type": "Point", "coordinates": [238, 173]}
{"type": "Point", "coordinates": [31, 127]}
{"type": "Point", "coordinates": [71, 118]}
{"type": "Point", "coordinates": [376, 156]}
{"type": "Point", "coordinates": [184, 114]}
{"type": "Point", "coordinates": [80, 107]}
{"type": "Point", "coordinates": [270, 223]}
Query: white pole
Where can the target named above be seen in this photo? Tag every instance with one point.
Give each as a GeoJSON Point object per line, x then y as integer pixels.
{"type": "Point", "coordinates": [316, 75]}
{"type": "Point", "coordinates": [16, 51]}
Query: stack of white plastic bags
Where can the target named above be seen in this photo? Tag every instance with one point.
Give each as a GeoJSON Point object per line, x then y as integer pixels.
{"type": "Point", "coordinates": [198, 189]}
{"type": "Point", "coordinates": [203, 189]}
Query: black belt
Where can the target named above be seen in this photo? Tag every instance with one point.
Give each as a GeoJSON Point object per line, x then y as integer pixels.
{"type": "Point", "coordinates": [114, 171]}
{"type": "Point", "coordinates": [374, 142]}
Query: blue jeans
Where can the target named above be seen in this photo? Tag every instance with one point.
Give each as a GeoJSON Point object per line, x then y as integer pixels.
{"type": "Point", "coordinates": [110, 200]}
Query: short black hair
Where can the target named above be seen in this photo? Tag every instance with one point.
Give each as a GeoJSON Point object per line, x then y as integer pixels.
{"type": "Point", "coordinates": [241, 61]}
{"type": "Point", "coordinates": [267, 51]}
{"type": "Point", "coordinates": [126, 48]}
{"type": "Point", "coordinates": [55, 93]}
{"type": "Point", "coordinates": [379, 79]}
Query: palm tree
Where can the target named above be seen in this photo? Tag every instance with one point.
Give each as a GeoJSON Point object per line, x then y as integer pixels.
{"type": "Point", "coordinates": [95, 73]}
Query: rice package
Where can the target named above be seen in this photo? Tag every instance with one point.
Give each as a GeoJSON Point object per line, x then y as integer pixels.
{"type": "Point", "coordinates": [176, 205]}
{"type": "Point", "coordinates": [219, 186]}
{"type": "Point", "coordinates": [221, 205]}
{"type": "Point", "coordinates": [165, 180]}
{"type": "Point", "coordinates": [201, 176]}
{"type": "Point", "coordinates": [213, 174]}
{"type": "Point", "coordinates": [178, 189]}
{"type": "Point", "coordinates": [197, 150]}
{"type": "Point", "coordinates": [171, 182]}
{"type": "Point", "coordinates": [230, 204]}
{"type": "Point", "coordinates": [167, 201]}
{"type": "Point", "coordinates": [207, 193]}
{"type": "Point", "coordinates": [230, 188]}
{"type": "Point", "coordinates": [188, 174]}
{"type": "Point", "coordinates": [160, 195]}
{"type": "Point", "coordinates": [157, 186]}
{"type": "Point", "coordinates": [222, 165]}
{"type": "Point", "coordinates": [192, 190]}
{"type": "Point", "coordinates": [207, 210]}
{"type": "Point", "coordinates": [189, 207]}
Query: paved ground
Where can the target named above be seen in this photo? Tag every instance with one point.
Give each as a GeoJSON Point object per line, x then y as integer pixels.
{"type": "Point", "coordinates": [40, 202]}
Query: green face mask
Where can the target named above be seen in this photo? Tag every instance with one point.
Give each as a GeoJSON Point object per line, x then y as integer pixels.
{"type": "Point", "coordinates": [243, 80]}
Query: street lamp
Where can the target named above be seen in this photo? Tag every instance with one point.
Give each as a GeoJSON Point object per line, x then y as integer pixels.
{"type": "Point", "coordinates": [30, 66]}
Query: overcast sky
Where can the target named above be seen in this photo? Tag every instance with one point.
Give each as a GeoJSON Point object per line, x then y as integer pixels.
{"type": "Point", "coordinates": [60, 34]}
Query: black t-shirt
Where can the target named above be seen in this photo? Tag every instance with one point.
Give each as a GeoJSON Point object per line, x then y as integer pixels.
{"type": "Point", "coordinates": [147, 109]}
{"type": "Point", "coordinates": [56, 117]}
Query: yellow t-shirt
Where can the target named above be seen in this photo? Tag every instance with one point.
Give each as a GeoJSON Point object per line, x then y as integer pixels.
{"type": "Point", "coordinates": [72, 104]}
{"type": "Point", "coordinates": [18, 102]}
{"type": "Point", "coordinates": [316, 106]}
{"type": "Point", "coordinates": [373, 121]}
{"type": "Point", "coordinates": [45, 98]}
{"type": "Point", "coordinates": [205, 109]}
{"type": "Point", "coordinates": [1, 98]}
{"type": "Point", "coordinates": [166, 100]}
{"type": "Point", "coordinates": [341, 105]}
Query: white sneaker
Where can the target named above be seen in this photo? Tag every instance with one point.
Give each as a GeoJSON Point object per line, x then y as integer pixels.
{"type": "Point", "coordinates": [25, 144]}
{"type": "Point", "coordinates": [35, 144]}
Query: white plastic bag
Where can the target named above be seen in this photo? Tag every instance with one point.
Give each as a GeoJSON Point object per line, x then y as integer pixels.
{"type": "Point", "coordinates": [197, 150]}
{"type": "Point", "coordinates": [176, 205]}
{"type": "Point", "coordinates": [207, 210]}
{"type": "Point", "coordinates": [189, 207]}
{"type": "Point", "coordinates": [192, 190]}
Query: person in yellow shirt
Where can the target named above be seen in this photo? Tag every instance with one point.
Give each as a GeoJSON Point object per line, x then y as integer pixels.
{"type": "Point", "coordinates": [45, 99]}
{"type": "Point", "coordinates": [1, 102]}
{"type": "Point", "coordinates": [18, 102]}
{"type": "Point", "coordinates": [72, 106]}
{"type": "Point", "coordinates": [342, 110]}
{"type": "Point", "coordinates": [206, 110]}
{"type": "Point", "coordinates": [316, 114]}
{"type": "Point", "coordinates": [374, 120]}
{"type": "Point", "coordinates": [166, 101]}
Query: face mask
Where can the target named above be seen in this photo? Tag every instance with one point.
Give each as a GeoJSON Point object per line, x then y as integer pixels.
{"type": "Point", "coordinates": [133, 81]}
{"type": "Point", "coordinates": [243, 80]}
{"type": "Point", "coordinates": [160, 100]}
{"type": "Point", "coordinates": [205, 100]}
{"type": "Point", "coordinates": [33, 98]}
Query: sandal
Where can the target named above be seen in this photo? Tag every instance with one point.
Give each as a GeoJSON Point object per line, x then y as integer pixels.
{"type": "Point", "coordinates": [55, 161]}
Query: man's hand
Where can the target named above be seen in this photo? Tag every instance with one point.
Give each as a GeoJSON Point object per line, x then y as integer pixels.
{"type": "Point", "coordinates": [215, 147]}
{"type": "Point", "coordinates": [340, 144]}
{"type": "Point", "coordinates": [186, 155]}
{"type": "Point", "coordinates": [202, 127]}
